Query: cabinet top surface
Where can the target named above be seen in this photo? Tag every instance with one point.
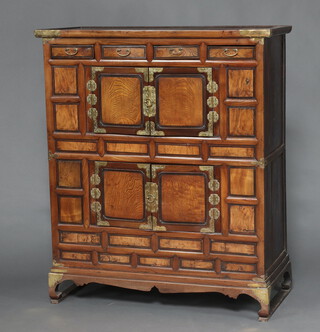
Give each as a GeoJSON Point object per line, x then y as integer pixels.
{"type": "Point", "coordinates": [174, 32]}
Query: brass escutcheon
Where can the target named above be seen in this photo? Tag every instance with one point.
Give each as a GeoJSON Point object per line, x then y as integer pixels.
{"type": "Point", "coordinates": [123, 53]}
{"type": "Point", "coordinates": [71, 51]}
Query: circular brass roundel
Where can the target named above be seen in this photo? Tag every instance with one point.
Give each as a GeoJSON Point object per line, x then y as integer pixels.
{"type": "Point", "coordinates": [91, 85]}
{"type": "Point", "coordinates": [95, 179]}
{"type": "Point", "coordinates": [95, 193]}
{"type": "Point", "coordinates": [92, 113]}
{"type": "Point", "coordinates": [95, 207]}
{"type": "Point", "coordinates": [92, 99]}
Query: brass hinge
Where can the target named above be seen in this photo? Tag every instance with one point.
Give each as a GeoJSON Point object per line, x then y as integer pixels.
{"type": "Point", "coordinates": [149, 101]}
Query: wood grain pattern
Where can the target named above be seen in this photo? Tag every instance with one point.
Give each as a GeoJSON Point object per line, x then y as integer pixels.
{"type": "Point", "coordinates": [65, 80]}
{"type": "Point", "coordinates": [70, 209]}
{"type": "Point", "coordinates": [241, 122]}
{"type": "Point", "coordinates": [114, 259]}
{"type": "Point", "coordinates": [183, 198]}
{"type": "Point", "coordinates": [119, 147]}
{"type": "Point", "coordinates": [155, 261]}
{"type": "Point", "coordinates": [242, 219]}
{"type": "Point", "coordinates": [236, 267]}
{"type": "Point", "coordinates": [197, 264]}
{"type": "Point", "coordinates": [130, 241]}
{"type": "Point", "coordinates": [175, 149]}
{"type": "Point", "coordinates": [233, 248]}
{"type": "Point", "coordinates": [240, 83]}
{"type": "Point", "coordinates": [75, 256]}
{"type": "Point", "coordinates": [180, 244]}
{"type": "Point", "coordinates": [230, 52]}
{"type": "Point", "coordinates": [180, 101]}
{"type": "Point", "coordinates": [123, 194]}
{"type": "Point", "coordinates": [240, 152]}
{"type": "Point", "coordinates": [66, 117]}
{"type": "Point", "coordinates": [69, 174]}
{"type": "Point", "coordinates": [242, 181]}
{"type": "Point", "coordinates": [76, 146]}
{"type": "Point", "coordinates": [121, 100]}
{"type": "Point", "coordinates": [80, 238]}
{"type": "Point", "coordinates": [176, 52]}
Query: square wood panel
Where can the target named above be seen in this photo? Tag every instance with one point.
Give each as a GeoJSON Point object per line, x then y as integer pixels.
{"type": "Point", "coordinates": [121, 100]}
{"type": "Point", "coordinates": [180, 101]}
{"type": "Point", "coordinates": [183, 198]}
{"type": "Point", "coordinates": [242, 181]}
{"type": "Point", "coordinates": [69, 173]}
{"type": "Point", "coordinates": [242, 219]}
{"type": "Point", "coordinates": [70, 209]}
{"type": "Point", "coordinates": [65, 80]}
{"type": "Point", "coordinates": [241, 122]}
{"type": "Point", "coordinates": [123, 194]}
{"type": "Point", "coordinates": [66, 117]}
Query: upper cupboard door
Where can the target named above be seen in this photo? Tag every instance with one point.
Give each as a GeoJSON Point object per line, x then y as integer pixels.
{"type": "Point", "coordinates": [114, 97]}
{"type": "Point", "coordinates": [186, 101]}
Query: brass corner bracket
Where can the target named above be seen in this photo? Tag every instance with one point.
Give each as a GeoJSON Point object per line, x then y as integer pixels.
{"type": "Point", "coordinates": [255, 33]}
{"type": "Point", "coordinates": [262, 163]}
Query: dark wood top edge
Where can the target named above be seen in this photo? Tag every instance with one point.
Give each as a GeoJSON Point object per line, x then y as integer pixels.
{"type": "Point", "coordinates": [175, 32]}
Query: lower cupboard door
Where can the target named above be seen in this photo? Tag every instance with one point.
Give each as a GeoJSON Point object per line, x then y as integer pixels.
{"type": "Point", "coordinates": [117, 194]}
{"type": "Point", "coordinates": [184, 198]}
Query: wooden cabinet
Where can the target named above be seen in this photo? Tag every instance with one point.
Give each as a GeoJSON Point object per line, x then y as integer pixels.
{"type": "Point", "coordinates": [167, 159]}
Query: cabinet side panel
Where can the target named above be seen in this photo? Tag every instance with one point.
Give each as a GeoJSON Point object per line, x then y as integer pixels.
{"type": "Point", "coordinates": [275, 213]}
{"type": "Point", "coordinates": [274, 81]}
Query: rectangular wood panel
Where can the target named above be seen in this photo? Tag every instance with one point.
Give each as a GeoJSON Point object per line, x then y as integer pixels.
{"type": "Point", "coordinates": [129, 241]}
{"type": "Point", "coordinates": [241, 122]}
{"type": "Point", "coordinates": [69, 173]}
{"type": "Point", "coordinates": [230, 52]}
{"type": "Point", "coordinates": [176, 52]}
{"type": "Point", "coordinates": [236, 152]}
{"type": "Point", "coordinates": [178, 149]}
{"type": "Point", "coordinates": [114, 259]}
{"type": "Point", "coordinates": [183, 198]}
{"type": "Point", "coordinates": [65, 80]}
{"type": "Point", "coordinates": [72, 51]}
{"type": "Point", "coordinates": [76, 146]}
{"type": "Point", "coordinates": [233, 248]}
{"type": "Point", "coordinates": [155, 261]}
{"type": "Point", "coordinates": [70, 209]}
{"type": "Point", "coordinates": [197, 264]}
{"type": "Point", "coordinates": [124, 147]}
{"type": "Point", "coordinates": [240, 83]}
{"type": "Point", "coordinates": [75, 256]}
{"type": "Point", "coordinates": [121, 100]}
{"type": "Point", "coordinates": [242, 219]}
{"type": "Point", "coordinates": [123, 194]}
{"type": "Point", "coordinates": [80, 238]}
{"type": "Point", "coordinates": [242, 182]}
{"type": "Point", "coordinates": [66, 117]}
{"type": "Point", "coordinates": [237, 267]}
{"type": "Point", "coordinates": [180, 101]}
{"type": "Point", "coordinates": [180, 244]}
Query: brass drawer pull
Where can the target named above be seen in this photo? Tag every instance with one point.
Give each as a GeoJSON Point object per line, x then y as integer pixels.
{"type": "Point", "coordinates": [71, 51]}
{"type": "Point", "coordinates": [124, 53]}
{"type": "Point", "coordinates": [174, 51]}
{"type": "Point", "coordinates": [230, 52]}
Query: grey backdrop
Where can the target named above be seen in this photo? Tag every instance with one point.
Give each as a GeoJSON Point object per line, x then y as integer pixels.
{"type": "Point", "coordinates": [24, 194]}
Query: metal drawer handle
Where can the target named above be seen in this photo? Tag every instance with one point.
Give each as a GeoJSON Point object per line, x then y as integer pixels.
{"type": "Point", "coordinates": [174, 51]}
{"type": "Point", "coordinates": [124, 53]}
{"type": "Point", "coordinates": [71, 51]}
{"type": "Point", "coordinates": [230, 52]}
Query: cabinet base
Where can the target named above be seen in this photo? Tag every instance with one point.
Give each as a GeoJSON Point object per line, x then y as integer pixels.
{"type": "Point", "coordinates": [269, 294]}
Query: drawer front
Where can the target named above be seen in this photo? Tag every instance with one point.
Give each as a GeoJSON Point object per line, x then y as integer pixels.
{"type": "Point", "coordinates": [124, 52]}
{"type": "Point", "coordinates": [72, 51]}
{"type": "Point", "coordinates": [230, 52]}
{"type": "Point", "coordinates": [176, 52]}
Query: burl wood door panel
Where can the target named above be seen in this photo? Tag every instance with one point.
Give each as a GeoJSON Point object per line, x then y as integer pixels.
{"type": "Point", "coordinates": [117, 193]}
{"type": "Point", "coordinates": [186, 101]}
{"type": "Point", "coordinates": [188, 198]}
{"type": "Point", "coordinates": [114, 98]}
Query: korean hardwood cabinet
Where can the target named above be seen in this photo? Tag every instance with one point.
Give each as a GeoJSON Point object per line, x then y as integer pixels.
{"type": "Point", "coordinates": [167, 159]}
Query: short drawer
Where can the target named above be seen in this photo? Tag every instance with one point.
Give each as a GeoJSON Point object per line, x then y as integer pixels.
{"type": "Point", "coordinates": [72, 51]}
{"type": "Point", "coordinates": [176, 52]}
{"type": "Point", "coordinates": [230, 52]}
{"type": "Point", "coordinates": [124, 52]}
